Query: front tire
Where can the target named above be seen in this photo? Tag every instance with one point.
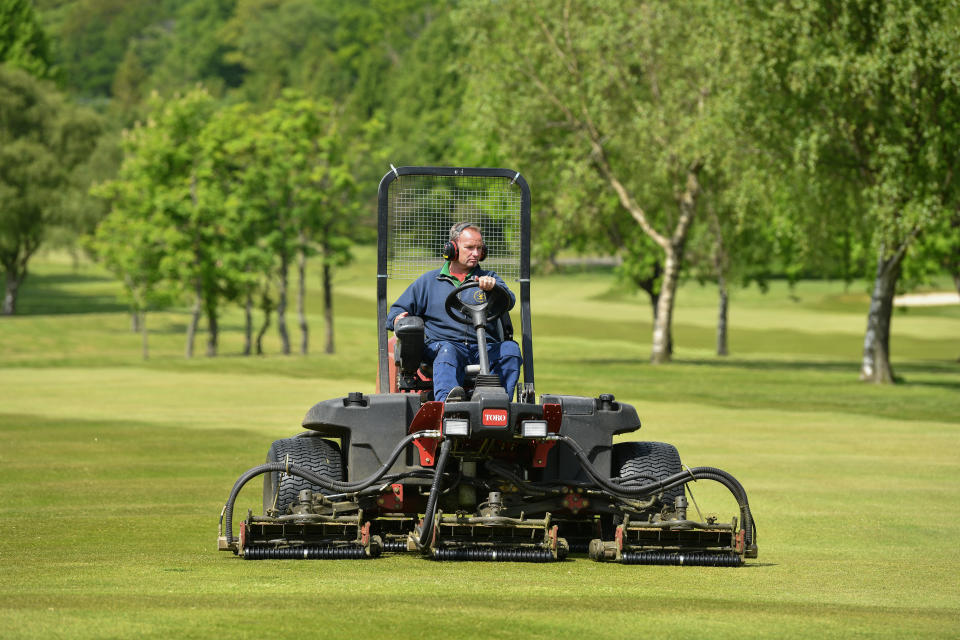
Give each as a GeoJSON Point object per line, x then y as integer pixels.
{"type": "Point", "coordinates": [322, 457]}
{"type": "Point", "coordinates": [652, 460]}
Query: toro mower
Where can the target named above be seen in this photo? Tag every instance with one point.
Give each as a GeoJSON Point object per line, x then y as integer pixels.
{"type": "Point", "coordinates": [492, 474]}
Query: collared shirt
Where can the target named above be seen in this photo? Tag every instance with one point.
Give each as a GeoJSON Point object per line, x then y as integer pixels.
{"type": "Point", "coordinates": [425, 297]}
{"type": "Point", "coordinates": [445, 271]}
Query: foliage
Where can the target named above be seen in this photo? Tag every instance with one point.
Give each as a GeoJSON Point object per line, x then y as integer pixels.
{"type": "Point", "coordinates": [42, 141]}
{"type": "Point", "coordinates": [863, 96]}
{"type": "Point", "coordinates": [95, 34]}
{"type": "Point", "coordinates": [216, 202]}
{"type": "Point", "coordinates": [604, 81]}
{"type": "Point", "coordinates": [23, 42]}
{"type": "Point", "coordinates": [820, 131]}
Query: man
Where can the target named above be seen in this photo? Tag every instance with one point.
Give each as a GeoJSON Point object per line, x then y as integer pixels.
{"type": "Point", "coordinates": [450, 344]}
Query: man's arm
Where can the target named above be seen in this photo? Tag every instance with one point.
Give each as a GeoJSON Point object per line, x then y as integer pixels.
{"type": "Point", "coordinates": [406, 304]}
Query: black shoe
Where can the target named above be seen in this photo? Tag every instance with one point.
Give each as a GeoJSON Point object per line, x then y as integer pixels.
{"type": "Point", "coordinates": [457, 394]}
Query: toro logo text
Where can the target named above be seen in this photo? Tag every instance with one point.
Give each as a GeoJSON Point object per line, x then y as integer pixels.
{"type": "Point", "coordinates": [495, 417]}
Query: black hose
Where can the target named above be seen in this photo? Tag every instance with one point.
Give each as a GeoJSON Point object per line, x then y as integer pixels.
{"type": "Point", "coordinates": [683, 477]}
{"type": "Point", "coordinates": [309, 476]}
{"type": "Point", "coordinates": [426, 531]}
{"type": "Point", "coordinates": [498, 470]}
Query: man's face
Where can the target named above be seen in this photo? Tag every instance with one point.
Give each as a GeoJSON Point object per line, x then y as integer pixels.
{"type": "Point", "coordinates": [470, 245]}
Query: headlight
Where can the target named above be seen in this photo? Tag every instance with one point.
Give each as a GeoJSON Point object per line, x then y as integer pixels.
{"type": "Point", "coordinates": [533, 429]}
{"type": "Point", "coordinates": [456, 427]}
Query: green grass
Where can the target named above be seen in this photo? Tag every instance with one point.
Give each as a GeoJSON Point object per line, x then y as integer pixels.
{"type": "Point", "coordinates": [113, 471]}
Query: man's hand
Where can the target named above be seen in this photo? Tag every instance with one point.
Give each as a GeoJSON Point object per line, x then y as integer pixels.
{"type": "Point", "coordinates": [402, 315]}
{"type": "Point", "coordinates": [487, 282]}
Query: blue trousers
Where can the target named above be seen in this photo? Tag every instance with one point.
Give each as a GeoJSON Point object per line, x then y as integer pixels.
{"type": "Point", "coordinates": [450, 358]}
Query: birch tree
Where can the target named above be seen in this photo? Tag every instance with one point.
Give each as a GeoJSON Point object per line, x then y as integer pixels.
{"type": "Point", "coordinates": [624, 88]}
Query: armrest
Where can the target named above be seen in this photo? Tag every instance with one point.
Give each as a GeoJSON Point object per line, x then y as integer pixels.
{"type": "Point", "coordinates": [409, 349]}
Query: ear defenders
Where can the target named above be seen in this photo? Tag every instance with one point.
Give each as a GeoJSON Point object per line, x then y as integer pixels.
{"type": "Point", "coordinates": [451, 250]}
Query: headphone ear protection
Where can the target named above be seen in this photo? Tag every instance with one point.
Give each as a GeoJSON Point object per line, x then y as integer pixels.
{"type": "Point", "coordinates": [451, 250]}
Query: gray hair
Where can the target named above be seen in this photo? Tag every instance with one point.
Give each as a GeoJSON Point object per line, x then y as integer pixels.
{"type": "Point", "coordinates": [460, 227]}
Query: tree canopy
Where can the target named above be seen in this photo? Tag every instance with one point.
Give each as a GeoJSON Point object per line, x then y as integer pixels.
{"type": "Point", "coordinates": [43, 139]}
{"type": "Point", "coordinates": [727, 142]}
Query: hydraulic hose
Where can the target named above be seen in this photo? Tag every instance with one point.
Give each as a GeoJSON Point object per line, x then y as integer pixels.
{"type": "Point", "coordinates": [426, 532]}
{"type": "Point", "coordinates": [309, 476]}
{"type": "Point", "coordinates": [697, 473]}
{"type": "Point", "coordinates": [498, 470]}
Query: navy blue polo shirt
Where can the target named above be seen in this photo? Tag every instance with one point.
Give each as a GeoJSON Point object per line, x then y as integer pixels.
{"type": "Point", "coordinates": [425, 298]}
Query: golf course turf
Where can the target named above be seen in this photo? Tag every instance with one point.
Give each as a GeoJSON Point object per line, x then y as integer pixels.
{"type": "Point", "coordinates": [113, 471]}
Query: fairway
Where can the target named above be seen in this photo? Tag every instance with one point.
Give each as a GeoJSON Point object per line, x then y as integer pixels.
{"type": "Point", "coordinates": [113, 471]}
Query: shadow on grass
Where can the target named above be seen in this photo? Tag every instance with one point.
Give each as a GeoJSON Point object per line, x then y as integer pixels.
{"type": "Point", "coordinates": [793, 386]}
{"type": "Point", "coordinates": [946, 367]}
{"type": "Point", "coordinates": [55, 294]}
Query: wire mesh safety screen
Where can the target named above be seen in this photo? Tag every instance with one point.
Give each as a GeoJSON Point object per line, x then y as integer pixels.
{"type": "Point", "coordinates": [422, 209]}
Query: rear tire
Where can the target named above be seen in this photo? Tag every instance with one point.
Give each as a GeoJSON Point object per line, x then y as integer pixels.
{"type": "Point", "coordinates": [655, 460]}
{"type": "Point", "coordinates": [322, 457]}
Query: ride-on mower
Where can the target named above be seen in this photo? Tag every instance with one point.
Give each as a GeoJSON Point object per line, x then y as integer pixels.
{"type": "Point", "coordinates": [496, 475]}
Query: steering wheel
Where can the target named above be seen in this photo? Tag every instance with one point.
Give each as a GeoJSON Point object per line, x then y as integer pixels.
{"type": "Point", "coordinates": [477, 307]}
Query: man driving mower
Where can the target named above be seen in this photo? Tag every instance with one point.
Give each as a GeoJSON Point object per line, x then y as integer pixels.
{"type": "Point", "coordinates": [449, 344]}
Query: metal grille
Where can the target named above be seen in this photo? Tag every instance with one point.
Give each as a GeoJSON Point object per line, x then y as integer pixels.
{"type": "Point", "coordinates": [423, 208]}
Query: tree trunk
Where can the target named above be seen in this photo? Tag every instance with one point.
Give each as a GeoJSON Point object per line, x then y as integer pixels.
{"type": "Point", "coordinates": [654, 303]}
{"type": "Point", "coordinates": [722, 317]}
{"type": "Point", "coordinates": [720, 266]}
{"type": "Point", "coordinates": [142, 324]}
{"type": "Point", "coordinates": [876, 343]}
{"type": "Point", "coordinates": [651, 287]}
{"type": "Point", "coordinates": [282, 305]}
{"type": "Point", "coordinates": [213, 333]}
{"type": "Point", "coordinates": [328, 306]}
{"type": "Point", "coordinates": [135, 307]}
{"type": "Point", "coordinates": [663, 319]}
{"type": "Point", "coordinates": [302, 298]}
{"type": "Point", "coordinates": [673, 258]}
{"type": "Point", "coordinates": [248, 325]}
{"type": "Point", "coordinates": [194, 321]}
{"type": "Point", "coordinates": [267, 310]}
{"type": "Point", "coordinates": [13, 282]}
{"type": "Point", "coordinates": [14, 274]}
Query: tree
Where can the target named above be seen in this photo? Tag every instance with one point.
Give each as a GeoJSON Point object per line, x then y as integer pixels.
{"type": "Point", "coordinates": [42, 141]}
{"type": "Point", "coordinates": [297, 182]}
{"type": "Point", "coordinates": [624, 90]}
{"type": "Point", "coordinates": [175, 193]}
{"type": "Point", "coordinates": [23, 43]}
{"type": "Point", "coordinates": [94, 36]}
{"type": "Point", "coordinates": [863, 96]}
{"type": "Point", "coordinates": [131, 246]}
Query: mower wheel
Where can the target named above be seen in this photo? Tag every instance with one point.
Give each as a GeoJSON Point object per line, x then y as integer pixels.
{"type": "Point", "coordinates": [322, 457]}
{"type": "Point", "coordinates": [652, 460]}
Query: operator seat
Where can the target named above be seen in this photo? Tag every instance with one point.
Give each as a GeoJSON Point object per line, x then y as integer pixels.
{"type": "Point", "coordinates": [413, 373]}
